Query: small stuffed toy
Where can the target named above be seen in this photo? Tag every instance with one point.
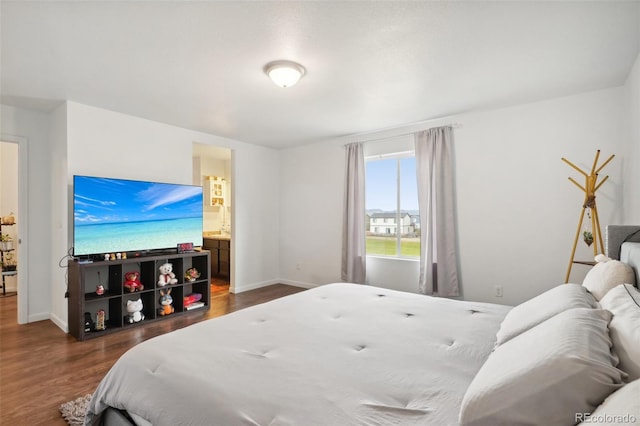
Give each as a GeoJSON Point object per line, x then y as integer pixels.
{"type": "Point", "coordinates": [607, 274]}
{"type": "Point", "coordinates": [166, 301]}
{"type": "Point", "coordinates": [134, 307]}
{"type": "Point", "coordinates": [191, 274]}
{"type": "Point", "coordinates": [132, 282]}
{"type": "Point", "coordinates": [166, 275]}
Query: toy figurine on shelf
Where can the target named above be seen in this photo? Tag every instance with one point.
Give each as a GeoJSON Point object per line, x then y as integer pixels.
{"type": "Point", "coordinates": [134, 308]}
{"type": "Point", "coordinates": [99, 287]}
{"type": "Point", "coordinates": [191, 274]}
{"type": "Point", "coordinates": [132, 281]}
{"type": "Point", "coordinates": [167, 277]}
{"type": "Point", "coordinates": [166, 303]}
{"type": "Point", "coordinates": [89, 325]}
{"type": "Point", "coordinates": [101, 320]}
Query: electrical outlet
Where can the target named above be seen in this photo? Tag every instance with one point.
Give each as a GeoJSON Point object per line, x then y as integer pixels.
{"type": "Point", "coordinates": [498, 290]}
{"type": "Point", "coordinates": [298, 266]}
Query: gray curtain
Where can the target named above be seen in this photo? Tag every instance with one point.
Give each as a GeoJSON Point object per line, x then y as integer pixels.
{"type": "Point", "coordinates": [434, 169]}
{"type": "Point", "coordinates": [353, 229]}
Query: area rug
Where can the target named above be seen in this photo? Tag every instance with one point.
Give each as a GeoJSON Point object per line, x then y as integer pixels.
{"type": "Point", "coordinates": [73, 411]}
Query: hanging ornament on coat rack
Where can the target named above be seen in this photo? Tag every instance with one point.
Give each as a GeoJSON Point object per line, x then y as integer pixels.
{"type": "Point", "coordinates": [587, 233]}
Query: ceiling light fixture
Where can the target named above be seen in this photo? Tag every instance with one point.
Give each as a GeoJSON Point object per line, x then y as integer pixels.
{"type": "Point", "coordinates": [284, 73]}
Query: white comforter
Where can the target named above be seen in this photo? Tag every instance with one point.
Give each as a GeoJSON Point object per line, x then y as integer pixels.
{"type": "Point", "coordinates": [340, 354]}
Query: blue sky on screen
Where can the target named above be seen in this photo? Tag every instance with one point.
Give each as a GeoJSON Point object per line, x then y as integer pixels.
{"type": "Point", "coordinates": [104, 200]}
{"type": "Point", "coordinates": [381, 184]}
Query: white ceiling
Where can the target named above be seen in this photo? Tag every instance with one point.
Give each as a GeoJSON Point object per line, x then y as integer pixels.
{"type": "Point", "coordinates": [370, 65]}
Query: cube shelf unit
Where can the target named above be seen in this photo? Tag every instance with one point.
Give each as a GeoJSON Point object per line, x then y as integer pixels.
{"type": "Point", "coordinates": [84, 278]}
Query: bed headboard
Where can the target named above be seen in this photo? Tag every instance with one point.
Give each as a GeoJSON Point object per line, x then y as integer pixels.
{"type": "Point", "coordinates": [623, 242]}
{"type": "Point", "coordinates": [615, 235]}
{"type": "Point", "coordinates": [630, 254]}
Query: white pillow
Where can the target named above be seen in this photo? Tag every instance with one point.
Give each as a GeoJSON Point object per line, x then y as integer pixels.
{"type": "Point", "coordinates": [621, 408]}
{"type": "Point", "coordinates": [624, 302]}
{"type": "Point", "coordinates": [542, 307]}
{"type": "Point", "coordinates": [544, 376]}
{"type": "Point", "coordinates": [607, 274]}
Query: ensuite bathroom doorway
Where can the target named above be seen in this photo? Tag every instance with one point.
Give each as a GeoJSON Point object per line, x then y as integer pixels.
{"type": "Point", "coordinates": [212, 169]}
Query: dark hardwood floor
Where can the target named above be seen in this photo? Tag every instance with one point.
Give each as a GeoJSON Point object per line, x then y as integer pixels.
{"type": "Point", "coordinates": [41, 367]}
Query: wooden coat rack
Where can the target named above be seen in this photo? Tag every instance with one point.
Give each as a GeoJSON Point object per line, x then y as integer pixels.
{"type": "Point", "coordinates": [590, 188]}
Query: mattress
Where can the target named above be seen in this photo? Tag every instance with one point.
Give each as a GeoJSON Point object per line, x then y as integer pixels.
{"type": "Point", "coordinates": [339, 354]}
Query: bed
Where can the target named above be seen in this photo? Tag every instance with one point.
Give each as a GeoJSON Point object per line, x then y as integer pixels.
{"type": "Point", "coordinates": [347, 354]}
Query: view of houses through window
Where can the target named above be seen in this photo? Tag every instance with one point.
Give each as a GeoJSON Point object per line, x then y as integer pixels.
{"type": "Point", "coordinates": [391, 198]}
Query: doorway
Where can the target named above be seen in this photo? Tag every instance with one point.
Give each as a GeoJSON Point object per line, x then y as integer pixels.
{"type": "Point", "coordinates": [212, 169]}
{"type": "Point", "coordinates": [12, 176]}
{"type": "Point", "coordinates": [8, 211]}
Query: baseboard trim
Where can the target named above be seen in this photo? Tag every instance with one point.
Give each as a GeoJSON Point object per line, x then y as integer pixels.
{"type": "Point", "coordinates": [38, 317]}
{"type": "Point", "coordinates": [63, 325]}
{"type": "Point", "coordinates": [298, 283]}
{"type": "Point", "coordinates": [253, 286]}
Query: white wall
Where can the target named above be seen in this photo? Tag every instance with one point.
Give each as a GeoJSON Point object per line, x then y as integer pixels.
{"type": "Point", "coordinates": [255, 217]}
{"type": "Point", "coordinates": [80, 139]}
{"type": "Point", "coordinates": [632, 138]}
{"type": "Point", "coordinates": [312, 182]}
{"type": "Point", "coordinates": [34, 128]}
{"type": "Point", "coordinates": [58, 213]}
{"type": "Point", "coordinates": [517, 211]}
{"type": "Point", "coordinates": [108, 143]}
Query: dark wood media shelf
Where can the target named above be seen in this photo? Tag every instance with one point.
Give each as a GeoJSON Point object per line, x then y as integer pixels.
{"type": "Point", "coordinates": [84, 278]}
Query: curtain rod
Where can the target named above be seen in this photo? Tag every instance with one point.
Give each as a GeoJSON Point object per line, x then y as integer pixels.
{"type": "Point", "coordinates": [402, 154]}
{"type": "Point", "coordinates": [452, 125]}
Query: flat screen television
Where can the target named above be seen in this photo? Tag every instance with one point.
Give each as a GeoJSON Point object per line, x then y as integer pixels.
{"type": "Point", "coordinates": [120, 215]}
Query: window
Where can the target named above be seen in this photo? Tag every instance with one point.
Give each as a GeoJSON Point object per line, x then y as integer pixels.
{"type": "Point", "coordinates": [392, 199]}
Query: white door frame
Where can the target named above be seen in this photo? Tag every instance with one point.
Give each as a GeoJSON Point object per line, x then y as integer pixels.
{"type": "Point", "coordinates": [23, 234]}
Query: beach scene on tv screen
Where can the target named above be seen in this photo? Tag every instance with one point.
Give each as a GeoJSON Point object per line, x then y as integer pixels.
{"type": "Point", "coordinates": [114, 215]}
